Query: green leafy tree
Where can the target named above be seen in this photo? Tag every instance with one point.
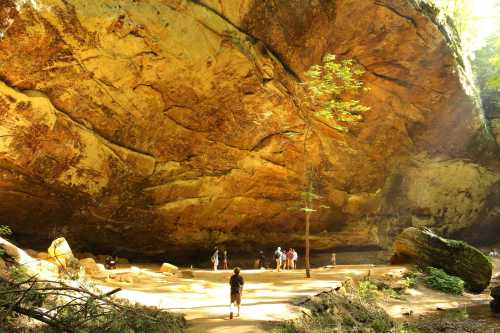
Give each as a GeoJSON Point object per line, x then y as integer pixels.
{"type": "Point", "coordinates": [330, 90]}
{"type": "Point", "coordinates": [493, 77]}
{"type": "Point", "coordinates": [486, 68]}
{"type": "Point", "coordinates": [4, 231]}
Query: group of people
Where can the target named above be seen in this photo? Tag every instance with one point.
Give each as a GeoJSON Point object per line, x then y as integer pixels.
{"type": "Point", "coordinates": [215, 259]}
{"type": "Point", "coordinates": [493, 253]}
{"type": "Point", "coordinates": [285, 259]}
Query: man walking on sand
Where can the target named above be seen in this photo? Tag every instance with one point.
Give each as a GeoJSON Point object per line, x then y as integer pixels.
{"type": "Point", "coordinates": [236, 282]}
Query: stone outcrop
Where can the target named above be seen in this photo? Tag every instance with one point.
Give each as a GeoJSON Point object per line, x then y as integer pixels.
{"type": "Point", "coordinates": [169, 268]}
{"type": "Point", "coordinates": [62, 257]}
{"type": "Point", "coordinates": [162, 127]}
{"type": "Point", "coordinates": [445, 195]}
{"type": "Point", "coordinates": [60, 252]}
{"type": "Point", "coordinates": [425, 248]}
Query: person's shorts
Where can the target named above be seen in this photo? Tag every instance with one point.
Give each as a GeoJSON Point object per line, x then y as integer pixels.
{"type": "Point", "coordinates": [236, 298]}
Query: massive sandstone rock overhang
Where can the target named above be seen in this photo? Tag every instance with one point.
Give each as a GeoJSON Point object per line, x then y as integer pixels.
{"type": "Point", "coordinates": [161, 127]}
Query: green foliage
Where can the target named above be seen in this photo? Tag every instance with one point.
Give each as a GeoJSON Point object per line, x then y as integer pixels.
{"type": "Point", "coordinates": [392, 293]}
{"type": "Point", "coordinates": [5, 231]}
{"type": "Point", "coordinates": [330, 88]}
{"type": "Point", "coordinates": [18, 274]}
{"type": "Point", "coordinates": [367, 291]}
{"type": "Point", "coordinates": [337, 312]}
{"type": "Point", "coordinates": [493, 78]}
{"type": "Point", "coordinates": [487, 70]}
{"type": "Point", "coordinates": [411, 278]}
{"type": "Point", "coordinates": [76, 307]}
{"type": "Point", "coordinates": [438, 279]}
{"type": "Point", "coordinates": [408, 329]}
{"type": "Point", "coordinates": [456, 244]}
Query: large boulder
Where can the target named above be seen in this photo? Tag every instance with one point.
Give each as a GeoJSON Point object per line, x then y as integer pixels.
{"type": "Point", "coordinates": [89, 265]}
{"type": "Point", "coordinates": [423, 247]}
{"type": "Point", "coordinates": [60, 254]}
{"type": "Point", "coordinates": [168, 268]}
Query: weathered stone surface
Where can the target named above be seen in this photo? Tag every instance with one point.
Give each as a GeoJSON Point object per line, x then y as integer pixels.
{"type": "Point", "coordinates": [40, 268]}
{"type": "Point", "coordinates": [445, 195]}
{"type": "Point", "coordinates": [60, 252]}
{"type": "Point", "coordinates": [186, 274]}
{"type": "Point", "coordinates": [425, 248]}
{"type": "Point", "coordinates": [162, 127]}
{"type": "Point", "coordinates": [168, 268]}
{"type": "Point", "coordinates": [90, 266]}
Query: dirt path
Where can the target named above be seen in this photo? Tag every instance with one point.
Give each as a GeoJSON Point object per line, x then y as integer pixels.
{"type": "Point", "coordinates": [269, 297]}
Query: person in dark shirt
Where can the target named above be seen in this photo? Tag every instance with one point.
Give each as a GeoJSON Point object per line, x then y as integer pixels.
{"type": "Point", "coordinates": [236, 282]}
{"type": "Point", "coordinates": [262, 260]}
{"type": "Point", "coordinates": [110, 262]}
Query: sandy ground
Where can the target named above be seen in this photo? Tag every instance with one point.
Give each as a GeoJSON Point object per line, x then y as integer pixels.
{"type": "Point", "coordinates": [269, 296]}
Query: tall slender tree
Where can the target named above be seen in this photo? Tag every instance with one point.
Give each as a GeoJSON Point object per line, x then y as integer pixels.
{"type": "Point", "coordinates": [330, 88]}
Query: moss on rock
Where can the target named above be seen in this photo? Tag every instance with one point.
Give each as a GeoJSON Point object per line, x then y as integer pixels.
{"type": "Point", "coordinates": [423, 247]}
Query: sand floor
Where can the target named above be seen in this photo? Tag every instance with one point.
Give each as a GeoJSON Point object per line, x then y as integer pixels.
{"type": "Point", "coordinates": [269, 296]}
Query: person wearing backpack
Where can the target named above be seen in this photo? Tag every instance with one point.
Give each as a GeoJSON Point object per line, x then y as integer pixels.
{"type": "Point", "coordinates": [215, 259]}
{"type": "Point", "coordinates": [236, 283]}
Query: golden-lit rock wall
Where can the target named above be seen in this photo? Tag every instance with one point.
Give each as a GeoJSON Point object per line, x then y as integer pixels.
{"type": "Point", "coordinates": [150, 126]}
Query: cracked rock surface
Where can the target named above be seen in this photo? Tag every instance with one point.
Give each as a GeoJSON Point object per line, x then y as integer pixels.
{"type": "Point", "coordinates": [163, 127]}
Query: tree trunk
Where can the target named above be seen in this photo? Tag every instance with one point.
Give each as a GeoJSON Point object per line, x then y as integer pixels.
{"type": "Point", "coordinates": [308, 266]}
{"type": "Point", "coordinates": [308, 195]}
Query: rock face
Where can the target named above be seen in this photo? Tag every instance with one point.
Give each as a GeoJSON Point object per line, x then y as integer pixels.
{"type": "Point", "coordinates": [456, 258]}
{"type": "Point", "coordinates": [442, 194]}
{"type": "Point", "coordinates": [162, 127]}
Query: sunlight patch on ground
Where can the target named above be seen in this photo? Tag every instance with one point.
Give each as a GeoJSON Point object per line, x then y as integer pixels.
{"type": "Point", "coordinates": [268, 297]}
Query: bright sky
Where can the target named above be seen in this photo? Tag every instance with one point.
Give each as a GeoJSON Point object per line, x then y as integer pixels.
{"type": "Point", "coordinates": [488, 13]}
{"type": "Point", "coordinates": [485, 15]}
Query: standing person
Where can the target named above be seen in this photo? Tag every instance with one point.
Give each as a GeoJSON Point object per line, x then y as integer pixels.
{"type": "Point", "coordinates": [289, 258]}
{"type": "Point", "coordinates": [295, 258]}
{"type": "Point", "coordinates": [283, 259]}
{"type": "Point", "coordinates": [215, 258]}
{"type": "Point", "coordinates": [262, 260]}
{"type": "Point", "coordinates": [236, 282]}
{"type": "Point", "coordinates": [277, 256]}
{"type": "Point", "coordinates": [334, 259]}
{"type": "Point", "coordinates": [224, 260]}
